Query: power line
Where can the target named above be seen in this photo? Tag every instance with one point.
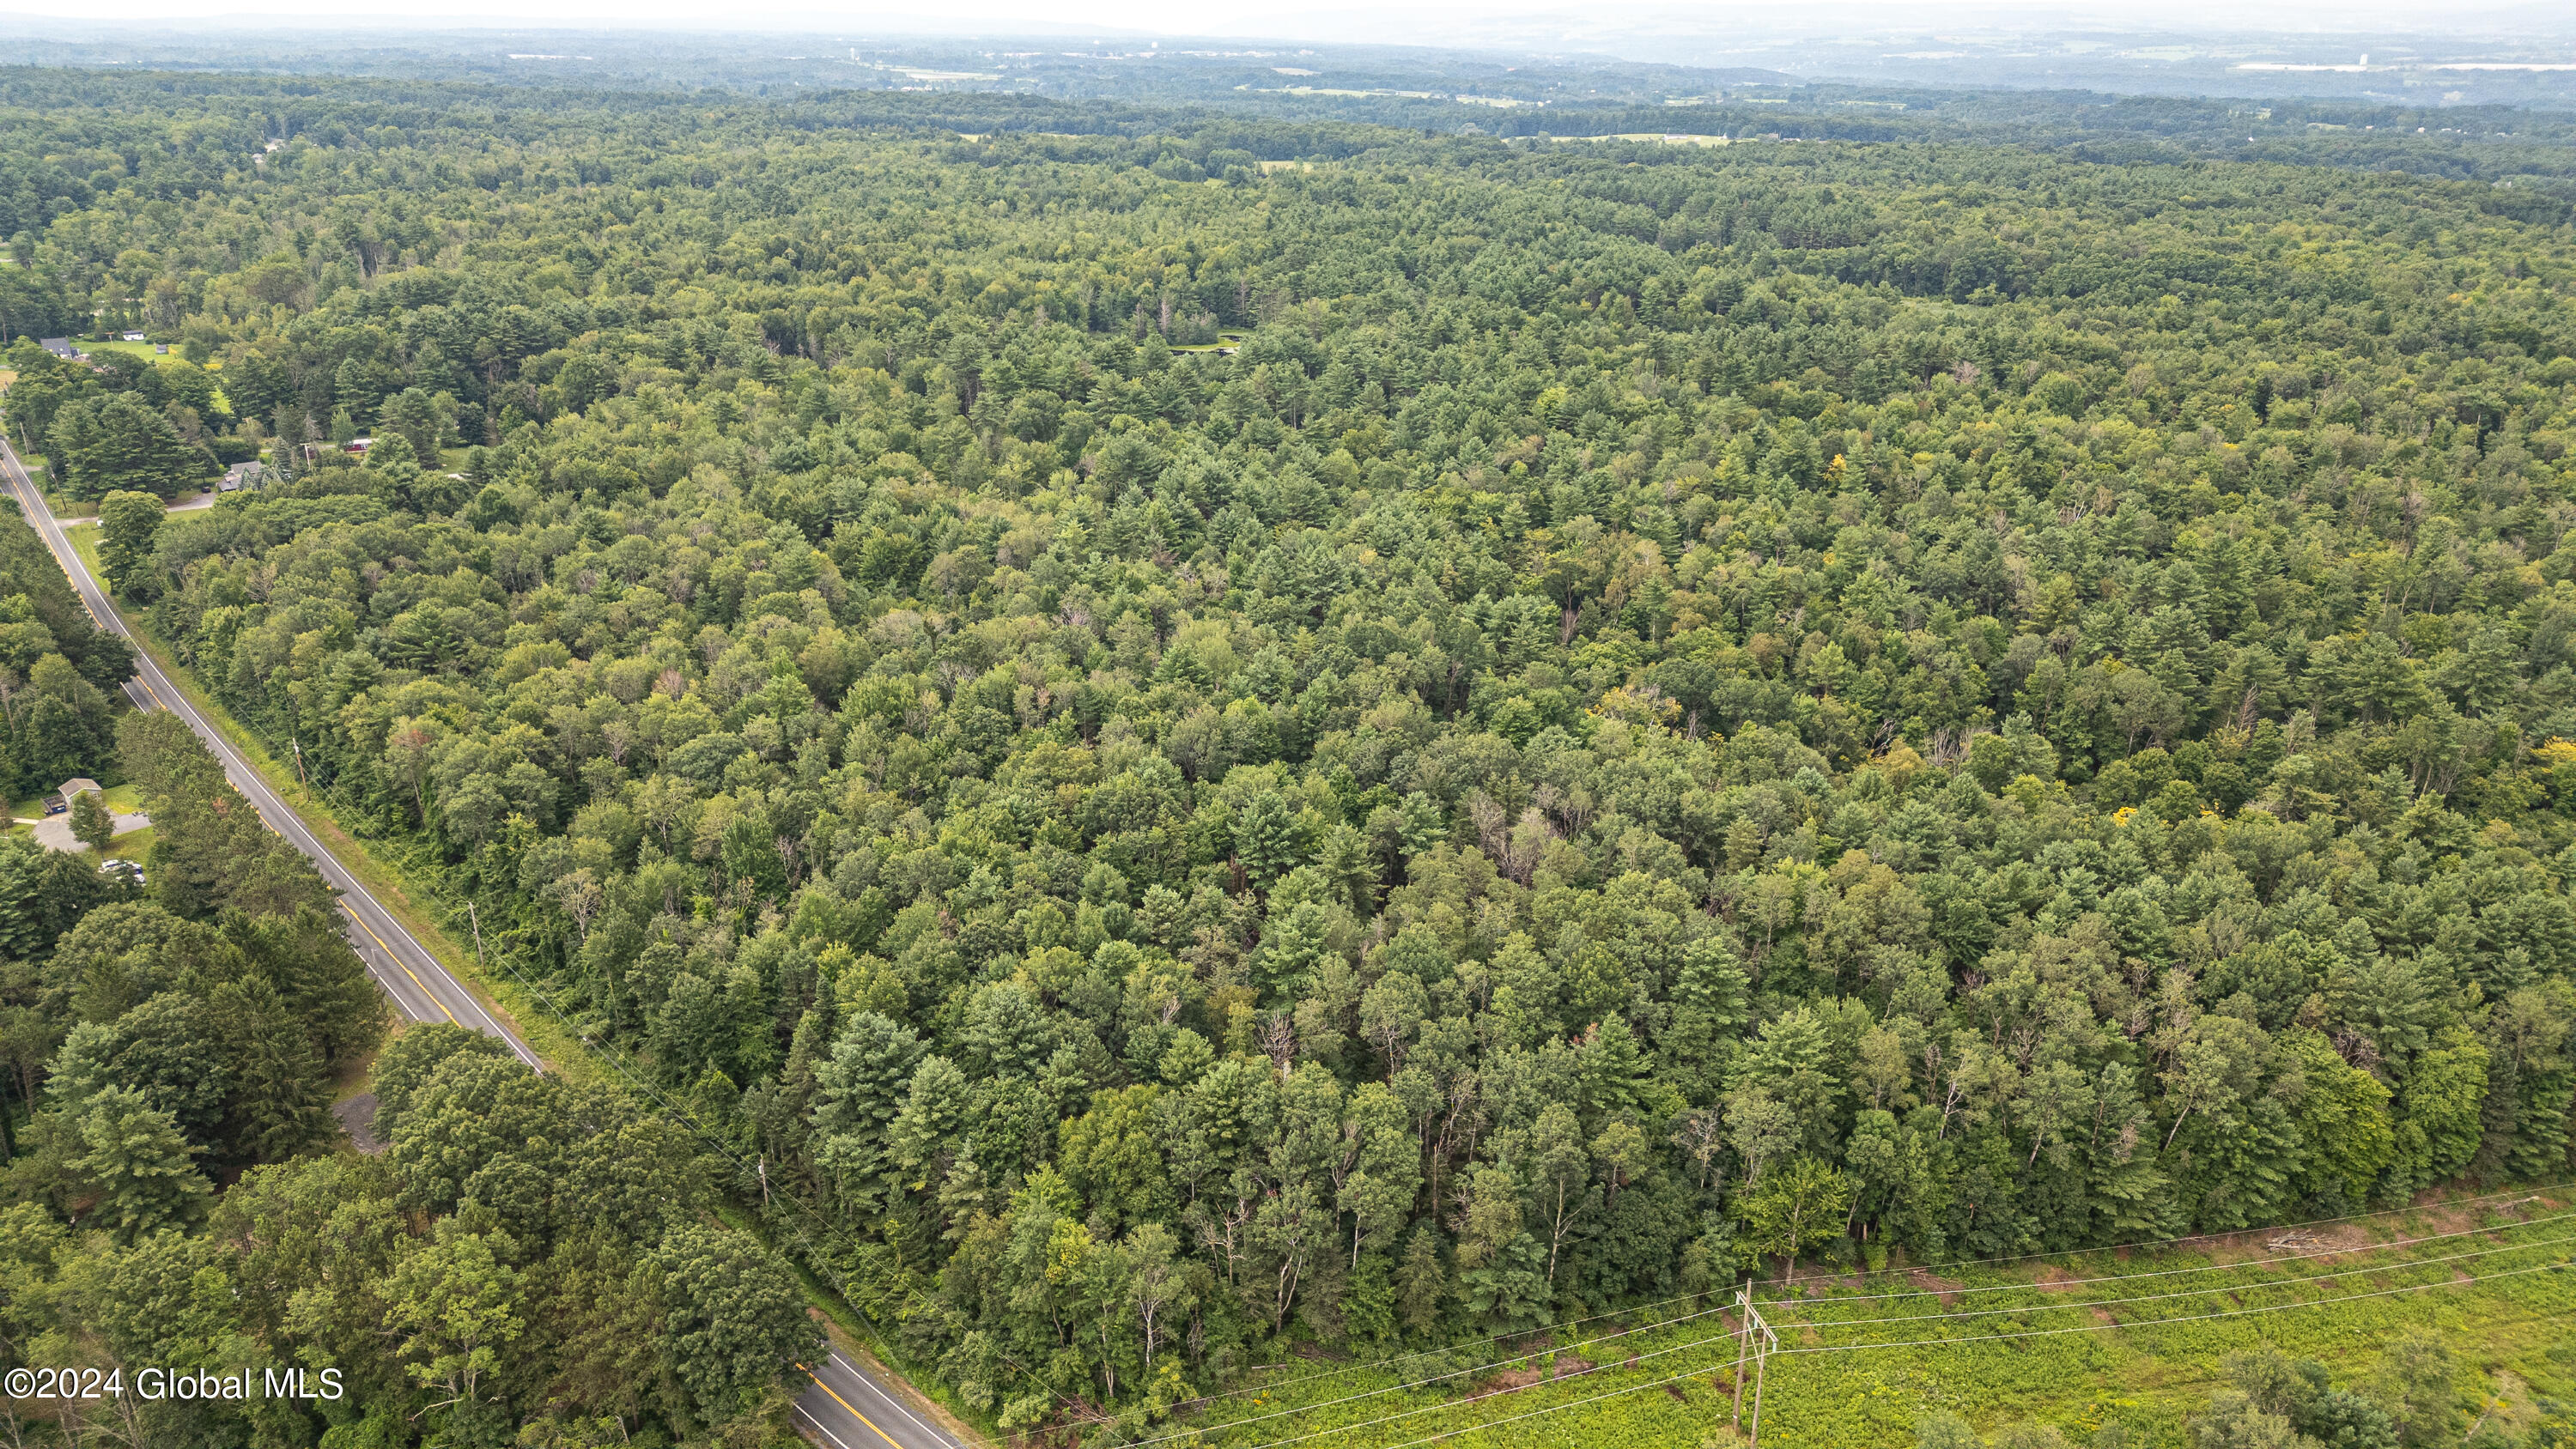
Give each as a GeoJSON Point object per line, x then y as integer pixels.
{"type": "Point", "coordinates": [2188, 1292]}
{"type": "Point", "coordinates": [2190, 1318]}
{"type": "Point", "coordinates": [1924, 1343]}
{"type": "Point", "coordinates": [1795, 1303]}
{"type": "Point", "coordinates": [1930, 1318]}
{"type": "Point", "coordinates": [1278, 1385]}
{"type": "Point", "coordinates": [1426, 1382]}
{"type": "Point", "coordinates": [1926, 1317]}
{"type": "Point", "coordinates": [2527, 1191]}
{"type": "Point", "coordinates": [1802, 1304]}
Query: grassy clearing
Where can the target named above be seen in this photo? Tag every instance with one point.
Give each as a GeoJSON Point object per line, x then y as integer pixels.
{"type": "Point", "coordinates": [1661, 138]}
{"type": "Point", "coordinates": [508, 1000]}
{"type": "Point", "coordinates": [84, 541]}
{"type": "Point", "coordinates": [145, 351]}
{"type": "Point", "coordinates": [2139, 1362]}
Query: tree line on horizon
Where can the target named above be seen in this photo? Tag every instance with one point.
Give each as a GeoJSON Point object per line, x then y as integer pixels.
{"type": "Point", "coordinates": [1188, 763]}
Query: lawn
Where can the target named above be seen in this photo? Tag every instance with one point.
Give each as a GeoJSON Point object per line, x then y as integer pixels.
{"type": "Point", "coordinates": [84, 541]}
{"type": "Point", "coordinates": [144, 351]}
{"type": "Point", "coordinates": [120, 800]}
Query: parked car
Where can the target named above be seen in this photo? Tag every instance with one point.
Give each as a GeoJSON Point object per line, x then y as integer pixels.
{"type": "Point", "coordinates": [126, 870]}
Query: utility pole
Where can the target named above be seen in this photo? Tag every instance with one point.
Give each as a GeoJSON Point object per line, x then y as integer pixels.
{"type": "Point", "coordinates": [299, 761]}
{"type": "Point", "coordinates": [1743, 1341]}
{"type": "Point", "coordinates": [477, 919]}
{"type": "Point", "coordinates": [1754, 1336]}
{"type": "Point", "coordinates": [1761, 1363]}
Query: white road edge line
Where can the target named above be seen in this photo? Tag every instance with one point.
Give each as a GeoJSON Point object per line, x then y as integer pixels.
{"type": "Point", "coordinates": [820, 1427]}
{"type": "Point", "coordinates": [287, 823]}
{"type": "Point", "coordinates": [891, 1400]}
{"type": "Point", "coordinates": [290, 825]}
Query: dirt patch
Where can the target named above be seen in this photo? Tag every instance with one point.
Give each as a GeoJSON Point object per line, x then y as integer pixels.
{"type": "Point", "coordinates": [1676, 1391]}
{"type": "Point", "coordinates": [358, 1118]}
{"type": "Point", "coordinates": [2448, 1219]}
{"type": "Point", "coordinates": [1507, 1380]}
{"type": "Point", "coordinates": [1947, 1289]}
{"type": "Point", "coordinates": [2053, 1277]}
{"type": "Point", "coordinates": [1568, 1365]}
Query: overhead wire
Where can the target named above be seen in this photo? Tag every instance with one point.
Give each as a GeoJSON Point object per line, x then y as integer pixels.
{"type": "Point", "coordinates": [2314, 1253]}
{"type": "Point", "coordinates": [2286, 1282]}
{"type": "Point", "coordinates": [1867, 1347]}
{"type": "Point", "coordinates": [1643, 1328]}
{"type": "Point", "coordinates": [2098, 1303]}
{"type": "Point", "coordinates": [1357, 1366]}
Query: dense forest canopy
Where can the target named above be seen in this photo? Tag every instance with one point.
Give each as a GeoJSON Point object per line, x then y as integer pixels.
{"type": "Point", "coordinates": [1194, 755]}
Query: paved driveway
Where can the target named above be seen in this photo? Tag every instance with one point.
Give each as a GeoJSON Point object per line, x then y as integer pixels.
{"type": "Point", "coordinates": [54, 832]}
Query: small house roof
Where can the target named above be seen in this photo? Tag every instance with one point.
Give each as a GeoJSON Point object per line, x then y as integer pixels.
{"type": "Point", "coordinates": [77, 784]}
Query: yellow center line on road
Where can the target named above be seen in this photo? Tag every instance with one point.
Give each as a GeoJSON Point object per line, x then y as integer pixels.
{"type": "Point", "coordinates": [59, 543]}
{"type": "Point", "coordinates": [844, 1403]}
{"type": "Point", "coordinates": [398, 961]}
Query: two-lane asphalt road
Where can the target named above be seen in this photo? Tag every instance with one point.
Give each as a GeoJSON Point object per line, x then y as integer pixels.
{"type": "Point", "coordinates": [848, 1407]}
{"type": "Point", "coordinates": [411, 976]}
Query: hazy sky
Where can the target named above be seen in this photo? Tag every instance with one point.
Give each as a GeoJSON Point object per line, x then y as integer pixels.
{"type": "Point", "coordinates": [1340, 20]}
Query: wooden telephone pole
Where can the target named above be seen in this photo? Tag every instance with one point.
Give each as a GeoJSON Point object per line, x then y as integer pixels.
{"type": "Point", "coordinates": [1753, 1336]}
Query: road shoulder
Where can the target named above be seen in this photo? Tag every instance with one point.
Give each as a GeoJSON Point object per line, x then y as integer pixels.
{"type": "Point", "coordinates": [857, 1351]}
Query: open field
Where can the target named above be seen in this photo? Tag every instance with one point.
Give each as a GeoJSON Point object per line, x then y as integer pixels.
{"type": "Point", "coordinates": [143, 350]}
{"type": "Point", "coordinates": [2132, 1337]}
{"type": "Point", "coordinates": [1663, 137]}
